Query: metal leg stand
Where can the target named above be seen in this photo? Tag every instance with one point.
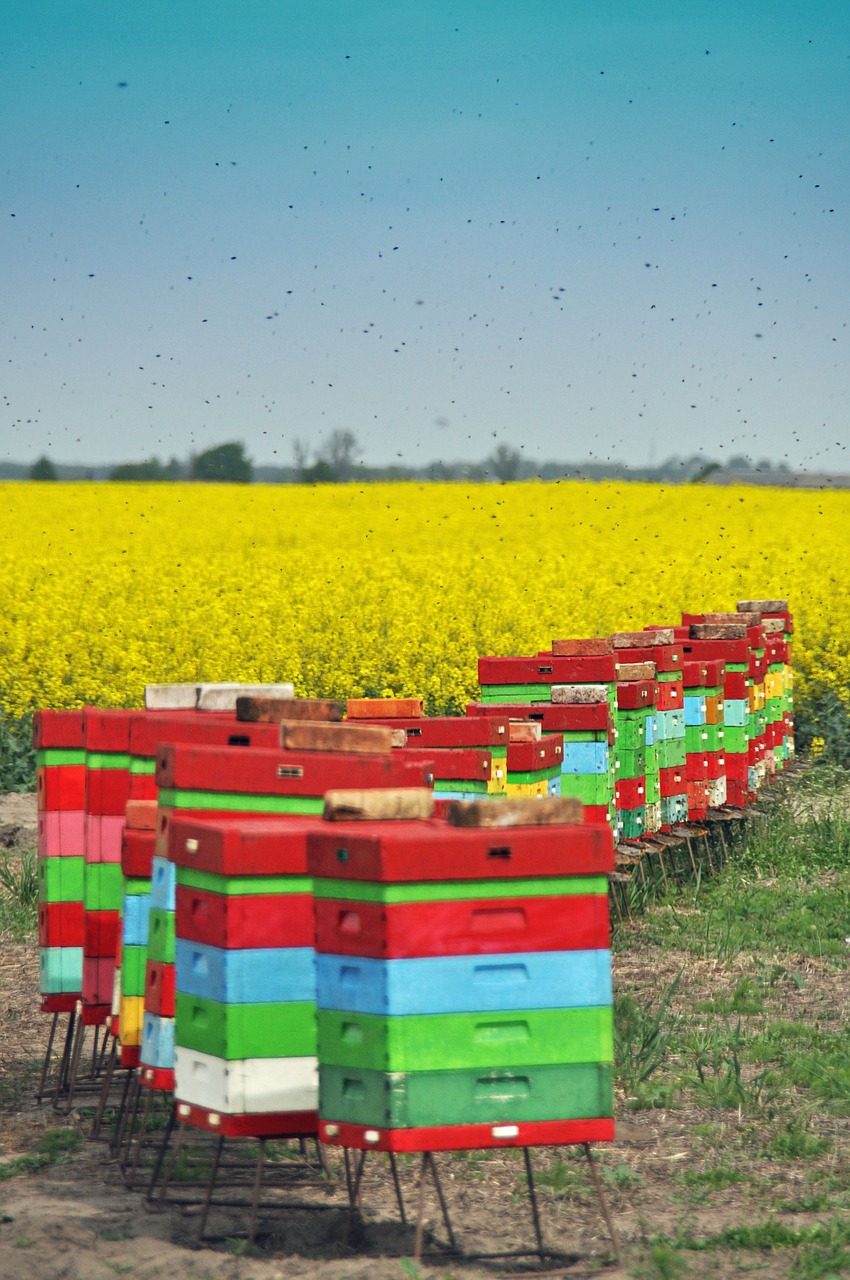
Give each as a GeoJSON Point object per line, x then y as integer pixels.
{"type": "Point", "coordinates": [606, 1213]}
{"type": "Point", "coordinates": [65, 1060]}
{"type": "Point", "coordinates": [93, 1071]}
{"type": "Point", "coordinates": [354, 1201]}
{"type": "Point", "coordinates": [420, 1216]}
{"type": "Point", "coordinates": [532, 1195]}
{"type": "Point", "coordinates": [109, 1042]}
{"type": "Point", "coordinates": [175, 1151]}
{"type": "Point", "coordinates": [258, 1180]}
{"type": "Point", "coordinates": [397, 1184]}
{"type": "Point", "coordinates": [74, 1065]}
{"type": "Point", "coordinates": [323, 1162]}
{"type": "Point", "coordinates": [104, 1093]}
{"type": "Point", "coordinates": [40, 1091]}
{"type": "Point", "coordinates": [121, 1115]}
{"type": "Point", "coordinates": [130, 1115]}
{"type": "Point", "coordinates": [442, 1199]}
{"type": "Point", "coordinates": [210, 1185]}
{"type": "Point", "coordinates": [723, 842]}
{"type": "Point", "coordinates": [163, 1147]}
{"type": "Point", "coordinates": [130, 1181]}
{"type": "Point", "coordinates": [428, 1162]}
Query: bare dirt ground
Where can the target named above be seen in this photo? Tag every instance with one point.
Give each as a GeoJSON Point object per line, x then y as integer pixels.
{"type": "Point", "coordinates": [75, 1220]}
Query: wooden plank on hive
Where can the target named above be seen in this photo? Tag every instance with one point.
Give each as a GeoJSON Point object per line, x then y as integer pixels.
{"type": "Point", "coordinates": [256, 710]}
{"type": "Point", "coordinates": [379, 805]}
{"type": "Point", "coordinates": [531, 811]}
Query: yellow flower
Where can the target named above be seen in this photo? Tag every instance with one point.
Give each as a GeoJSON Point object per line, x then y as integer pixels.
{"type": "Point", "coordinates": [350, 590]}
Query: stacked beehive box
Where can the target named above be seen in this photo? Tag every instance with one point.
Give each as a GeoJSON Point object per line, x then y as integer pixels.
{"type": "Point", "coordinates": [107, 743]}
{"type": "Point", "coordinates": [528, 680]}
{"type": "Point", "coordinates": [653, 656]}
{"type": "Point", "coordinates": [736, 711]}
{"type": "Point", "coordinates": [486, 735]}
{"type": "Point", "coordinates": [586, 730]}
{"type": "Point", "coordinates": [757, 772]}
{"type": "Point", "coordinates": [667, 728]}
{"type": "Point", "coordinates": [587, 702]}
{"type": "Point", "coordinates": [136, 857]}
{"type": "Point", "coordinates": [534, 765]}
{"type": "Point", "coordinates": [463, 983]}
{"type": "Point", "coordinates": [637, 696]}
{"type": "Point", "coordinates": [156, 1054]}
{"type": "Point", "coordinates": [779, 705]}
{"type": "Point", "coordinates": [713, 735]}
{"type": "Point", "coordinates": [60, 787]}
{"type": "Point", "coordinates": [462, 764]}
{"type": "Point", "coordinates": [142, 979]}
{"type": "Point", "coordinates": [696, 737]}
{"type": "Point", "coordinates": [245, 989]}
{"type": "Point", "coordinates": [207, 725]}
{"type": "Point", "coordinates": [718, 647]}
{"type": "Point", "coordinates": [254, 785]}
{"type": "Point", "coordinates": [770, 722]}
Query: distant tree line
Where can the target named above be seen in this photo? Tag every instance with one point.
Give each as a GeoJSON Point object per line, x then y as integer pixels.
{"type": "Point", "coordinates": [337, 460]}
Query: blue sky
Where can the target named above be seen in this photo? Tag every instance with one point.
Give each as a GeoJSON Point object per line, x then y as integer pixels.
{"type": "Point", "coordinates": [590, 228]}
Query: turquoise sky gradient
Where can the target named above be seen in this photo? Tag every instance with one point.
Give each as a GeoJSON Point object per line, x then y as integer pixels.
{"type": "Point", "coordinates": [587, 228]}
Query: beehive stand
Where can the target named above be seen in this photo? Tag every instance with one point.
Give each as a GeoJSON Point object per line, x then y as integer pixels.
{"type": "Point", "coordinates": [354, 1169]}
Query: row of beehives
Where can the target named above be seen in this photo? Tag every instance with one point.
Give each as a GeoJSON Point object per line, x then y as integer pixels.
{"type": "Point", "coordinates": [666, 723]}
{"type": "Point", "coordinates": [187, 974]}
{"type": "Point", "coordinates": [452, 985]}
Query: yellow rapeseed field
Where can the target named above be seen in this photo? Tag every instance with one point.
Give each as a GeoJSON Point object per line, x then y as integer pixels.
{"type": "Point", "coordinates": [350, 590]}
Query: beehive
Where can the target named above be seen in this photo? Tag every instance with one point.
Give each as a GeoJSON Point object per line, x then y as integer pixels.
{"type": "Point", "coordinates": [463, 984]}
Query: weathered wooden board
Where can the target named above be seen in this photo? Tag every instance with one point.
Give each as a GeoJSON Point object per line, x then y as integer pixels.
{"type": "Point", "coordinates": [379, 805]}
{"type": "Point", "coordinates": [256, 710]}
{"type": "Point", "coordinates": [522, 812]}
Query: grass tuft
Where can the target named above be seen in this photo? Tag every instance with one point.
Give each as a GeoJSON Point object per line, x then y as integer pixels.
{"type": "Point", "coordinates": [642, 1038]}
{"type": "Point", "coordinates": [18, 893]}
{"type": "Point", "coordinates": [56, 1146]}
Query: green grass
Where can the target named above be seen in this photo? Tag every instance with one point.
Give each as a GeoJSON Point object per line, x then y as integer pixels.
{"type": "Point", "coordinates": [713, 1178]}
{"type": "Point", "coordinates": [643, 1035]}
{"type": "Point", "coordinates": [560, 1180]}
{"type": "Point", "coordinates": [621, 1178]}
{"type": "Point", "coordinates": [772, 1234]}
{"type": "Point", "coordinates": [714, 1072]}
{"type": "Point", "coordinates": [747, 997]}
{"type": "Point", "coordinates": [746, 914]}
{"type": "Point", "coordinates": [795, 1141]}
{"type": "Point", "coordinates": [18, 893]}
{"type": "Point", "coordinates": [820, 1251]}
{"type": "Point", "coordinates": [750, 1041]}
{"type": "Point", "coordinates": [56, 1146]}
{"type": "Point", "coordinates": [662, 1262]}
